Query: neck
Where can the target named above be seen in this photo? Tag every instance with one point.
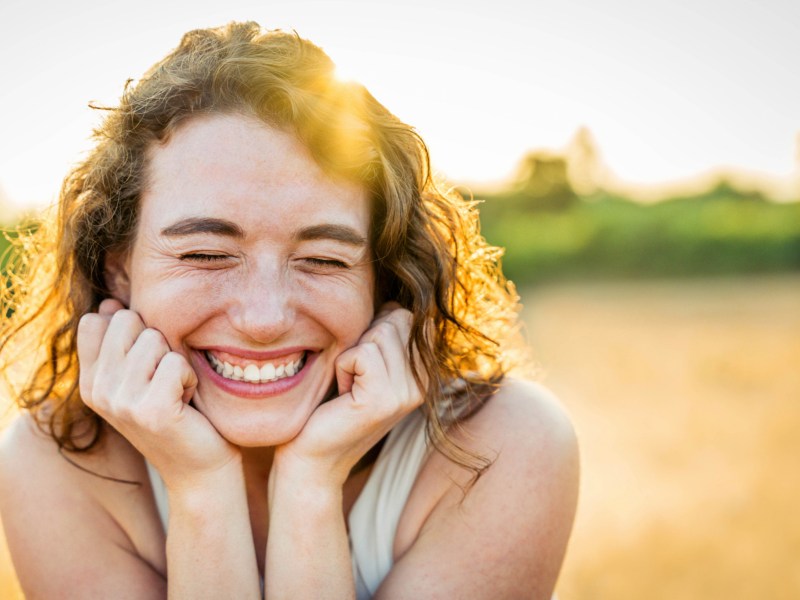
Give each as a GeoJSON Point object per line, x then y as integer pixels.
{"type": "Point", "coordinates": [257, 462]}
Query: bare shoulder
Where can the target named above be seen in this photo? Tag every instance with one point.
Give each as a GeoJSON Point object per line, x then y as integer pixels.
{"type": "Point", "coordinates": [62, 510]}
{"type": "Point", "coordinates": [526, 433]}
{"type": "Point", "coordinates": [504, 536]}
{"type": "Point", "coordinates": [524, 418]}
{"type": "Point", "coordinates": [31, 459]}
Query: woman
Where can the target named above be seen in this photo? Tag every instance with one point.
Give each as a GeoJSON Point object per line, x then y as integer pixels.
{"type": "Point", "coordinates": [273, 355]}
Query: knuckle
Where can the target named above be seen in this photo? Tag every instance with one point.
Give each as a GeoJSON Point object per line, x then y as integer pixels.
{"type": "Point", "coordinates": [369, 350]}
{"type": "Point", "coordinates": [172, 364]}
{"type": "Point", "coordinates": [126, 319]}
{"type": "Point", "coordinates": [153, 340]}
{"type": "Point", "coordinates": [384, 329]}
{"type": "Point", "coordinates": [173, 359]}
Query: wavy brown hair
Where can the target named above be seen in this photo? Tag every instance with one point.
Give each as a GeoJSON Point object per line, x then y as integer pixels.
{"type": "Point", "coordinates": [430, 256]}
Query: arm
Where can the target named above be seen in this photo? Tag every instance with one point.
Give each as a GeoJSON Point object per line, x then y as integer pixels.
{"type": "Point", "coordinates": [75, 535]}
{"type": "Point", "coordinates": [131, 378]}
{"type": "Point", "coordinates": [308, 552]}
{"type": "Point", "coordinates": [210, 552]}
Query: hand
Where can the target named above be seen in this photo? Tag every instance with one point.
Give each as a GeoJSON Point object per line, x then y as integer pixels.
{"type": "Point", "coordinates": [377, 389]}
{"type": "Point", "coordinates": [129, 376]}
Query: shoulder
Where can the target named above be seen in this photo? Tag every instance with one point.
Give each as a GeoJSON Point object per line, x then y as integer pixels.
{"type": "Point", "coordinates": [56, 506]}
{"type": "Point", "coordinates": [513, 523]}
{"type": "Point", "coordinates": [523, 417]}
{"type": "Point", "coordinates": [30, 457]}
{"type": "Point", "coordinates": [523, 431]}
{"type": "Point", "coordinates": [528, 437]}
{"type": "Point", "coordinates": [36, 475]}
{"type": "Point", "coordinates": [27, 455]}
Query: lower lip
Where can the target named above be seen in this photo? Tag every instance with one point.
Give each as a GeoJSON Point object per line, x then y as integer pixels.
{"type": "Point", "coordinates": [246, 389]}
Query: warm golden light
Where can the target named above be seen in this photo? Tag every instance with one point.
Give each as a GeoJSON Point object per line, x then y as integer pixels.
{"type": "Point", "coordinates": [483, 82]}
{"type": "Point", "coordinates": [683, 391]}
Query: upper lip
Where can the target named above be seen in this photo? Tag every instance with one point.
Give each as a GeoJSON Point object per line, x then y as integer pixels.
{"type": "Point", "coordinates": [259, 355]}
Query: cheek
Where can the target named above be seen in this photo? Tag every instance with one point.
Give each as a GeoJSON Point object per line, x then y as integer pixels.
{"type": "Point", "coordinates": [346, 310]}
{"type": "Point", "coordinates": [173, 306]}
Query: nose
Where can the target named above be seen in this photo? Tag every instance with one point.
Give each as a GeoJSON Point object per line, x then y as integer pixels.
{"type": "Point", "coordinates": [262, 305]}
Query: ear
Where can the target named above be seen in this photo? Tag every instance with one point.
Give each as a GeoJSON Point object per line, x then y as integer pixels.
{"type": "Point", "coordinates": [115, 272]}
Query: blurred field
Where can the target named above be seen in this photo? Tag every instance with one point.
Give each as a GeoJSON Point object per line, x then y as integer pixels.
{"type": "Point", "coordinates": [686, 397]}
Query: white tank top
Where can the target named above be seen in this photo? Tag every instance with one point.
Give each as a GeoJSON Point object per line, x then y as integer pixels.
{"type": "Point", "coordinates": [373, 519]}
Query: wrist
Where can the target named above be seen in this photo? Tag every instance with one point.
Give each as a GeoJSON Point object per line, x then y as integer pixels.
{"type": "Point", "coordinates": [302, 486]}
{"type": "Point", "coordinates": [197, 491]}
{"type": "Point", "coordinates": [297, 470]}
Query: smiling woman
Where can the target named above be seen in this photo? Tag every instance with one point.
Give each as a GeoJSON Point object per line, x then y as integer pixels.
{"type": "Point", "coordinates": [290, 281]}
{"type": "Point", "coordinates": [271, 350]}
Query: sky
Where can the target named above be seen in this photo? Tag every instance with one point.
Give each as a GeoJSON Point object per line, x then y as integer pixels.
{"type": "Point", "coordinates": [669, 89]}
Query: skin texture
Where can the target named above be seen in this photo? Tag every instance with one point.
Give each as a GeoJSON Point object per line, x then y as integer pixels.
{"type": "Point", "coordinates": [245, 247]}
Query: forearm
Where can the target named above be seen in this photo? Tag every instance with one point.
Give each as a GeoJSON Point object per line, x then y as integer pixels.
{"type": "Point", "coordinates": [308, 554]}
{"type": "Point", "coordinates": [210, 551]}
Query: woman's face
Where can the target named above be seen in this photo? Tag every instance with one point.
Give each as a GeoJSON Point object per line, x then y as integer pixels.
{"type": "Point", "coordinates": [254, 264]}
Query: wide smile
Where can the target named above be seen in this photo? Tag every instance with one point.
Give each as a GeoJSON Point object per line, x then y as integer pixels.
{"type": "Point", "coordinates": [254, 374]}
{"type": "Point", "coordinates": [237, 368]}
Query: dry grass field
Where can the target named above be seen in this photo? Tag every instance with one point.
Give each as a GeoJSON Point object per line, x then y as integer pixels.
{"type": "Point", "coordinates": [686, 398]}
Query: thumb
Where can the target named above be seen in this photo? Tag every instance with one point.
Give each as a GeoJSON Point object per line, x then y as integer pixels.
{"type": "Point", "coordinates": [345, 370]}
{"type": "Point", "coordinates": [173, 371]}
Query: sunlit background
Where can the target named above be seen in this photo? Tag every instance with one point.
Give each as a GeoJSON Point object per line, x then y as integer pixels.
{"type": "Point", "coordinates": [641, 163]}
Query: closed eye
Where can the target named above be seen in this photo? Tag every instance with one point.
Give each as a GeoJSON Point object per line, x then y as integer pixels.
{"type": "Point", "coordinates": [326, 263]}
{"type": "Point", "coordinates": [200, 257]}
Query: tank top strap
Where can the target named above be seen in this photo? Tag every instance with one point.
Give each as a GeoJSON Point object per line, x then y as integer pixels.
{"type": "Point", "coordinates": [374, 517]}
{"type": "Point", "coordinates": [159, 493]}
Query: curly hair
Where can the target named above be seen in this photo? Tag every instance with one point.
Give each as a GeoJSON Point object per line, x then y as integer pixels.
{"type": "Point", "coordinates": [430, 256]}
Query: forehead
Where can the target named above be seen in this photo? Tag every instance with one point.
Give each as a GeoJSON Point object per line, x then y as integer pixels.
{"type": "Point", "coordinates": [237, 167]}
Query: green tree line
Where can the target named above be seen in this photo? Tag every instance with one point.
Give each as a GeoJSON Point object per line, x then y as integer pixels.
{"type": "Point", "coordinates": [551, 231]}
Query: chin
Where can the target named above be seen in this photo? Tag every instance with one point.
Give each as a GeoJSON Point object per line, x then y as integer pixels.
{"type": "Point", "coordinates": [259, 430]}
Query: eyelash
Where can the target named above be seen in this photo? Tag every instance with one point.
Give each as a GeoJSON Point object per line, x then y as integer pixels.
{"type": "Point", "coordinates": [326, 263]}
{"type": "Point", "coordinates": [197, 257]}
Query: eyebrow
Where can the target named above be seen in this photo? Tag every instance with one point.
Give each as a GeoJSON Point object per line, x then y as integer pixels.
{"type": "Point", "coordinates": [331, 231]}
{"type": "Point", "coordinates": [196, 225]}
{"type": "Point", "coordinates": [223, 227]}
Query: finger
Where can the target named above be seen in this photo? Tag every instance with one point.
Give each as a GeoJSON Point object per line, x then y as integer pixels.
{"type": "Point", "coordinates": [402, 320]}
{"type": "Point", "coordinates": [123, 331]}
{"type": "Point", "coordinates": [393, 347]}
{"type": "Point", "coordinates": [361, 367]}
{"type": "Point", "coordinates": [145, 355]}
{"type": "Point", "coordinates": [174, 378]}
{"type": "Point", "coordinates": [91, 331]}
{"type": "Point", "coordinates": [109, 306]}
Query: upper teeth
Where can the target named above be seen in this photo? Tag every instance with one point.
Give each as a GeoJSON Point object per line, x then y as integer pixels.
{"type": "Point", "coordinates": [252, 373]}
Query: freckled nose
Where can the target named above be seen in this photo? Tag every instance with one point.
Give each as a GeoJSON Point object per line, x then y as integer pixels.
{"type": "Point", "coordinates": [263, 306]}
